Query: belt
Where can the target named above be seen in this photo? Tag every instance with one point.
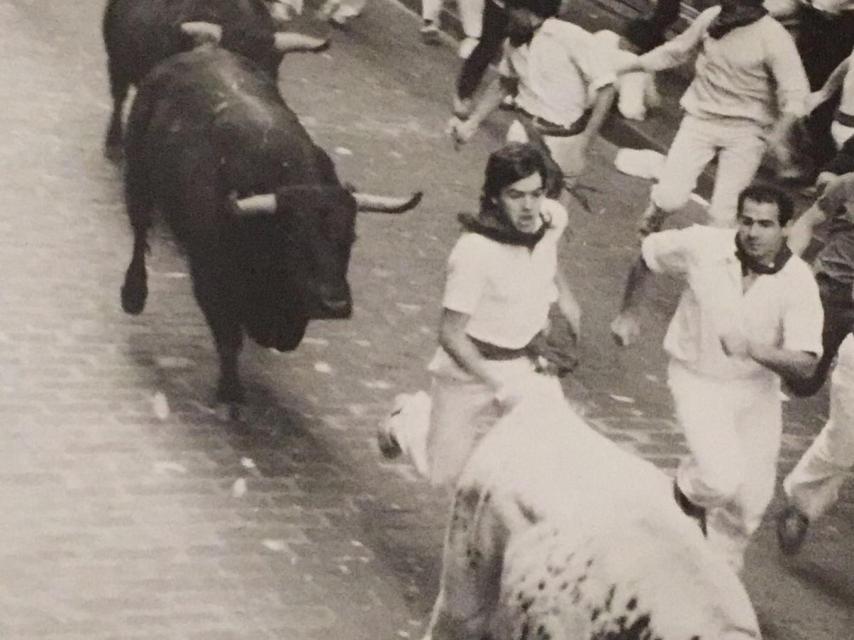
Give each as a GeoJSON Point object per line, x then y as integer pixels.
{"type": "Point", "coordinates": [548, 358]}
{"type": "Point", "coordinates": [554, 130]}
{"type": "Point", "coordinates": [490, 351]}
{"type": "Point", "coordinates": [844, 119]}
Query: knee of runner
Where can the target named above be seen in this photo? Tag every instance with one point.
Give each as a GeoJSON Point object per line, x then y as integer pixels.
{"type": "Point", "coordinates": [668, 198]}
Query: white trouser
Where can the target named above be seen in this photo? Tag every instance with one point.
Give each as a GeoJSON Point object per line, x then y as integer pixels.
{"type": "Point", "coordinates": [813, 485]}
{"type": "Point", "coordinates": [343, 10]}
{"type": "Point", "coordinates": [568, 152]}
{"type": "Point", "coordinates": [840, 133]}
{"type": "Point", "coordinates": [732, 428]}
{"type": "Point", "coordinates": [471, 14]}
{"type": "Point", "coordinates": [739, 146]}
{"type": "Point", "coordinates": [439, 433]}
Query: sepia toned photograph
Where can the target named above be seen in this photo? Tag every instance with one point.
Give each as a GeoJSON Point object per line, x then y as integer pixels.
{"type": "Point", "coordinates": [427, 320]}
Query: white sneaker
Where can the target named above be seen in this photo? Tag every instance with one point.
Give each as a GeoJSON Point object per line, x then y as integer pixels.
{"type": "Point", "coordinates": [467, 46]}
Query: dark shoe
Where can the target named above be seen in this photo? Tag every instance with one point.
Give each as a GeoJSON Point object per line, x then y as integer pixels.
{"type": "Point", "coordinates": [792, 527]}
{"type": "Point", "coordinates": [430, 33]}
{"type": "Point", "coordinates": [690, 509]}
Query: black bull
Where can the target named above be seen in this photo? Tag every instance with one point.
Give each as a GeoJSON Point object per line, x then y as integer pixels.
{"type": "Point", "coordinates": [206, 126]}
{"type": "Point", "coordinates": [140, 33]}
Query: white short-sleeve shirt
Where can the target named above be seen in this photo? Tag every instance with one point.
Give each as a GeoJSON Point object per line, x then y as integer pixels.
{"type": "Point", "coordinates": [559, 71]}
{"type": "Point", "coordinates": [505, 289]}
{"type": "Point", "coordinates": [781, 309]}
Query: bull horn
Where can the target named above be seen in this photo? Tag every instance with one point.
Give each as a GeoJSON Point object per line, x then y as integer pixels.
{"type": "Point", "coordinates": [202, 33]}
{"type": "Point", "coordinates": [288, 42]}
{"type": "Point", "coordinates": [256, 205]}
{"type": "Point", "coordinates": [386, 204]}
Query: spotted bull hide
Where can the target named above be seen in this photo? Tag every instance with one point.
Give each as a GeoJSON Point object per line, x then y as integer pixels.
{"type": "Point", "coordinates": [558, 534]}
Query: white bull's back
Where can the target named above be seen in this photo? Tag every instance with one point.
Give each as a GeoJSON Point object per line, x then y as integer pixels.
{"type": "Point", "coordinates": [591, 529]}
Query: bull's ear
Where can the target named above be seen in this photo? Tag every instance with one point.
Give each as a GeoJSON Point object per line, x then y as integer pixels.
{"type": "Point", "coordinates": [263, 204]}
{"type": "Point", "coordinates": [202, 33]}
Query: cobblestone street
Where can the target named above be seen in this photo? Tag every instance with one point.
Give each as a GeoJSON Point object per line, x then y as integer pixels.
{"type": "Point", "coordinates": [133, 509]}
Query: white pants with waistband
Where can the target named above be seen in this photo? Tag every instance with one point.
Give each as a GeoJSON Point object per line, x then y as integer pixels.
{"type": "Point", "coordinates": [813, 485]}
{"type": "Point", "coordinates": [738, 145]}
{"type": "Point", "coordinates": [732, 429]}
{"type": "Point", "coordinates": [567, 151]}
{"type": "Point", "coordinates": [439, 432]}
{"type": "Point", "coordinates": [343, 10]}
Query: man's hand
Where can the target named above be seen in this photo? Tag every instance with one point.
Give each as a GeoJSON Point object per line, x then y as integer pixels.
{"type": "Point", "coordinates": [735, 344]}
{"type": "Point", "coordinates": [824, 178]}
{"type": "Point", "coordinates": [625, 329]}
{"type": "Point", "coordinates": [508, 396]}
{"type": "Point", "coordinates": [461, 131]}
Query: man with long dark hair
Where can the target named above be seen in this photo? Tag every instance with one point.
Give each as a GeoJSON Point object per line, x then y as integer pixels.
{"type": "Point", "coordinates": [503, 276]}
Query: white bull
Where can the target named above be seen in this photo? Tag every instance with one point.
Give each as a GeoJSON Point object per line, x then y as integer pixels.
{"type": "Point", "coordinates": [558, 534]}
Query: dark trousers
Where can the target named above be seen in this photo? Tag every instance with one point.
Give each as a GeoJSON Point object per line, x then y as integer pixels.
{"type": "Point", "coordinates": [823, 43]}
{"type": "Point", "coordinates": [493, 32]}
{"type": "Point", "coordinates": [647, 32]}
{"type": "Point", "coordinates": [838, 323]}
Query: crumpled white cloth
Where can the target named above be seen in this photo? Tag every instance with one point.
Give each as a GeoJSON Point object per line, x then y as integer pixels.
{"type": "Point", "coordinates": [641, 163]}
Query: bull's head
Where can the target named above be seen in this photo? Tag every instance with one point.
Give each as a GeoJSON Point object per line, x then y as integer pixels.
{"type": "Point", "coordinates": [319, 225]}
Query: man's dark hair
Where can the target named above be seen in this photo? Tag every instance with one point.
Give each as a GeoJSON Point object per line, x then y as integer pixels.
{"type": "Point", "coordinates": [764, 194]}
{"type": "Point", "coordinates": [543, 8]}
{"type": "Point", "coordinates": [509, 164]}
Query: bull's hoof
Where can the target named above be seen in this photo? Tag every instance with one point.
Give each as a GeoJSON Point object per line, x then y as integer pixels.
{"type": "Point", "coordinates": [230, 393]}
{"type": "Point", "coordinates": [114, 152]}
{"type": "Point", "coordinates": [323, 46]}
{"type": "Point", "coordinates": [133, 298]}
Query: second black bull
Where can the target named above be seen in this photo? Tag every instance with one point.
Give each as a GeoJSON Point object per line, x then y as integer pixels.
{"type": "Point", "coordinates": [140, 33]}
{"type": "Point", "coordinates": [265, 222]}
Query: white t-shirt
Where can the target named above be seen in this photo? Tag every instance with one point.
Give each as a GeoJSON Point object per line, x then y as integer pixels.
{"type": "Point", "coordinates": [781, 309]}
{"type": "Point", "coordinates": [506, 289]}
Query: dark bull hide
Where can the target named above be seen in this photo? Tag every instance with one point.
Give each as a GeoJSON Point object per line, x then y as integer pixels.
{"type": "Point", "coordinates": [140, 33]}
{"type": "Point", "coordinates": [266, 224]}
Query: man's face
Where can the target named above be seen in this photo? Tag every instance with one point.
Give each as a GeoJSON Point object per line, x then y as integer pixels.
{"type": "Point", "coordinates": [521, 202]}
{"type": "Point", "coordinates": [521, 24]}
{"type": "Point", "coordinates": [759, 230]}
